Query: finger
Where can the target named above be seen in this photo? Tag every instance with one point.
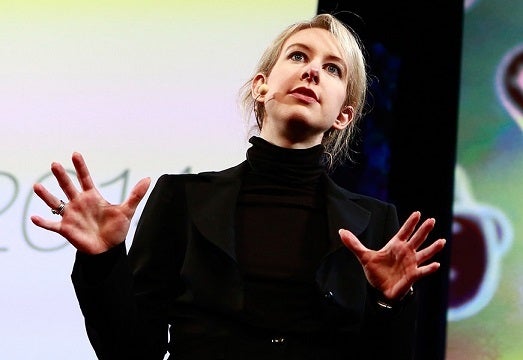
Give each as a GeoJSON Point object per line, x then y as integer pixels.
{"type": "Point", "coordinates": [136, 195]}
{"type": "Point", "coordinates": [49, 199]}
{"type": "Point", "coordinates": [82, 172]}
{"type": "Point", "coordinates": [408, 226]}
{"type": "Point", "coordinates": [352, 243]}
{"type": "Point", "coordinates": [46, 224]}
{"type": "Point", "coordinates": [427, 253]}
{"type": "Point", "coordinates": [427, 270]}
{"type": "Point", "coordinates": [421, 234]}
{"type": "Point", "coordinates": [64, 180]}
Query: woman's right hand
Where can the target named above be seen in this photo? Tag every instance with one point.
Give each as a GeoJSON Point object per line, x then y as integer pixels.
{"type": "Point", "coordinates": [90, 223]}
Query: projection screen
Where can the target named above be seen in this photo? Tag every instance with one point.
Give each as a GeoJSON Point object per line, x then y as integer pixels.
{"type": "Point", "coordinates": [140, 88]}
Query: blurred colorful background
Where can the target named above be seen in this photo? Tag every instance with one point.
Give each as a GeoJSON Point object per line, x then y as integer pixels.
{"type": "Point", "coordinates": [486, 277]}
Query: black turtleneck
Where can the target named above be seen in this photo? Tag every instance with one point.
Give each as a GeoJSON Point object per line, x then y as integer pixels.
{"type": "Point", "coordinates": [281, 236]}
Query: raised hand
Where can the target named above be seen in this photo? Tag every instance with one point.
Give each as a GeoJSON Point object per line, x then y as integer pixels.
{"type": "Point", "coordinates": [393, 269]}
{"type": "Point", "coordinates": [88, 221]}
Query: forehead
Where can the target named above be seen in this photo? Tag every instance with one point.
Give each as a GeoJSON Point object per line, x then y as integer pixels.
{"type": "Point", "coordinates": [316, 39]}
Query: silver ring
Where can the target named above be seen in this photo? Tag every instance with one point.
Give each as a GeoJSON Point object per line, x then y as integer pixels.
{"type": "Point", "coordinates": [60, 209]}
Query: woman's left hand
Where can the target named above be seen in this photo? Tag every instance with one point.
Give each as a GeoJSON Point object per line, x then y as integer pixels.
{"type": "Point", "coordinates": [393, 269]}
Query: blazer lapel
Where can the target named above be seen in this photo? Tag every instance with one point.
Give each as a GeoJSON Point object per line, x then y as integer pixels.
{"type": "Point", "coordinates": [212, 198]}
{"type": "Point", "coordinates": [212, 204]}
{"type": "Point", "coordinates": [340, 276]}
{"type": "Point", "coordinates": [343, 213]}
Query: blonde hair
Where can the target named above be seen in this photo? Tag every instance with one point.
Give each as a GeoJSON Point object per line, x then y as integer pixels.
{"type": "Point", "coordinates": [336, 142]}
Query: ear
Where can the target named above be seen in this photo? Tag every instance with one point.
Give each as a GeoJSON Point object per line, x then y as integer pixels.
{"type": "Point", "coordinates": [257, 81]}
{"type": "Point", "coordinates": [344, 118]}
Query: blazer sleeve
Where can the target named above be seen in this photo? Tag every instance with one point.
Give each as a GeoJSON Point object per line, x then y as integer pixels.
{"type": "Point", "coordinates": [124, 297]}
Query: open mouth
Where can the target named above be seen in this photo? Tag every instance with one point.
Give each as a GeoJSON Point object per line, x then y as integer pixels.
{"type": "Point", "coordinates": [305, 94]}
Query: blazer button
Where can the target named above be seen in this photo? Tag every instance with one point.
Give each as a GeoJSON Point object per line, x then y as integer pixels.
{"type": "Point", "coordinates": [278, 340]}
{"type": "Point", "coordinates": [329, 295]}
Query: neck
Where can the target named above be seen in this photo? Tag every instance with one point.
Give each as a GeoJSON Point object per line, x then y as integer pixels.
{"type": "Point", "coordinates": [296, 166]}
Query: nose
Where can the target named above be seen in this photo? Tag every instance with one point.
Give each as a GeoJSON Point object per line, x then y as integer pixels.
{"type": "Point", "coordinates": [311, 74]}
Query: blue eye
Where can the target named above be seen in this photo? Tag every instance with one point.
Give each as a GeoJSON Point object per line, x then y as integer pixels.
{"type": "Point", "coordinates": [297, 56]}
{"type": "Point", "coordinates": [333, 69]}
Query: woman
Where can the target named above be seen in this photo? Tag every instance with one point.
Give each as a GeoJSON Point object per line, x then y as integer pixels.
{"type": "Point", "coordinates": [266, 260]}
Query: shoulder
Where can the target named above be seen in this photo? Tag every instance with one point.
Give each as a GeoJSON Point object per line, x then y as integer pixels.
{"type": "Point", "coordinates": [229, 173]}
{"type": "Point", "coordinates": [361, 212]}
{"type": "Point", "coordinates": [172, 183]}
{"type": "Point", "coordinates": [365, 201]}
{"type": "Point", "coordinates": [234, 171]}
{"type": "Point", "coordinates": [374, 203]}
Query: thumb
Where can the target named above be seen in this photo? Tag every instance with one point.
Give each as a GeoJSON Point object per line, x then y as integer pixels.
{"type": "Point", "coordinates": [352, 243]}
{"type": "Point", "coordinates": [137, 194]}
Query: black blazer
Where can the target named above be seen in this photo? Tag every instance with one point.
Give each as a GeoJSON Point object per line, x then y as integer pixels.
{"type": "Point", "coordinates": [181, 267]}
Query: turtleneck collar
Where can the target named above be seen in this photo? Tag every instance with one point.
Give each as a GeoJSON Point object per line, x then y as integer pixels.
{"type": "Point", "coordinates": [292, 166]}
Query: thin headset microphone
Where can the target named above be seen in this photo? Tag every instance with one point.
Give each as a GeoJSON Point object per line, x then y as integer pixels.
{"type": "Point", "coordinates": [263, 89]}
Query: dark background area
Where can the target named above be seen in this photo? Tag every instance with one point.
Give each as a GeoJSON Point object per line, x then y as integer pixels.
{"type": "Point", "coordinates": [406, 154]}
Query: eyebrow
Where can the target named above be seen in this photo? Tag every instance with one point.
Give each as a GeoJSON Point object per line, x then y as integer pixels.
{"type": "Point", "coordinates": [330, 57]}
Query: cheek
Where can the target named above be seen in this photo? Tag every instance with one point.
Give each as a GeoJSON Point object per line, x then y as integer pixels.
{"type": "Point", "coordinates": [277, 72]}
{"type": "Point", "coordinates": [282, 73]}
{"type": "Point", "coordinates": [338, 99]}
{"type": "Point", "coordinates": [343, 95]}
